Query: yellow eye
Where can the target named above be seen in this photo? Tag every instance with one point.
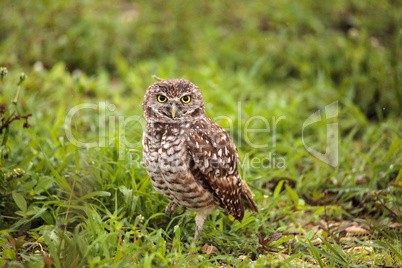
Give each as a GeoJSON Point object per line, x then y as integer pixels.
{"type": "Point", "coordinates": [186, 99]}
{"type": "Point", "coordinates": [162, 98]}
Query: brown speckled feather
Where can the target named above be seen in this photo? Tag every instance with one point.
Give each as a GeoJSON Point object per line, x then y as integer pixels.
{"type": "Point", "coordinates": [215, 164]}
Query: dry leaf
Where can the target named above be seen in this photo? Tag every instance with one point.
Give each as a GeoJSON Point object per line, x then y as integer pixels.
{"type": "Point", "coordinates": [47, 259]}
{"type": "Point", "coordinates": [395, 225]}
{"type": "Point", "coordinates": [208, 249]}
{"type": "Point", "coordinates": [282, 256]}
{"type": "Point", "coordinates": [356, 229]}
{"type": "Point", "coordinates": [366, 250]}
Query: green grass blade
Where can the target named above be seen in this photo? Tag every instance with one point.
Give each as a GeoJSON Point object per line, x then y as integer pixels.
{"type": "Point", "coordinates": [316, 255]}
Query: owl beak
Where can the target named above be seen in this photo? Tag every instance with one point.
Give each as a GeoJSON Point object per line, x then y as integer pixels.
{"type": "Point", "coordinates": [174, 109]}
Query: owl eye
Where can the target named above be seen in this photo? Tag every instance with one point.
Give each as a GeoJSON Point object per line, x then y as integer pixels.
{"type": "Point", "coordinates": [186, 99]}
{"type": "Point", "coordinates": [162, 98]}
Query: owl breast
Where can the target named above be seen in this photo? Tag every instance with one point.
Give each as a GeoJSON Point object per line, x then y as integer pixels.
{"type": "Point", "coordinates": [169, 166]}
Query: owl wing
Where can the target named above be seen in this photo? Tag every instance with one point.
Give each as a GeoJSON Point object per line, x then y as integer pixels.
{"type": "Point", "coordinates": [214, 164]}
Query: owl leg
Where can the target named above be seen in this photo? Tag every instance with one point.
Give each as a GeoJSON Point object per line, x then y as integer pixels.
{"type": "Point", "coordinates": [199, 222]}
{"type": "Point", "coordinates": [171, 208]}
{"type": "Point", "coordinates": [199, 225]}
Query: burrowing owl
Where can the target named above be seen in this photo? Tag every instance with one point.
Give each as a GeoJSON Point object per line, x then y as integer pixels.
{"type": "Point", "coordinates": [189, 157]}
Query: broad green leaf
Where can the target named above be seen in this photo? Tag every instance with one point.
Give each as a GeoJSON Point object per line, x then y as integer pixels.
{"type": "Point", "coordinates": [43, 184]}
{"type": "Point", "coordinates": [293, 194]}
{"type": "Point", "coordinates": [394, 147]}
{"type": "Point", "coordinates": [60, 180]}
{"type": "Point", "coordinates": [310, 235]}
{"type": "Point", "coordinates": [278, 188]}
{"type": "Point", "coordinates": [97, 193]}
{"type": "Point", "coordinates": [20, 201]}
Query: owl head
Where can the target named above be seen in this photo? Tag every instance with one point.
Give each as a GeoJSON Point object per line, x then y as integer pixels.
{"type": "Point", "coordinates": [173, 101]}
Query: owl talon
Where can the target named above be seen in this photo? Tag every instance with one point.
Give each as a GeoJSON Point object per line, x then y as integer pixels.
{"type": "Point", "coordinates": [184, 210]}
{"type": "Point", "coordinates": [171, 208]}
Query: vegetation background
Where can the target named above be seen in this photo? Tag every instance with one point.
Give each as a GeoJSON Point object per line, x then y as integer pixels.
{"type": "Point", "coordinates": [64, 206]}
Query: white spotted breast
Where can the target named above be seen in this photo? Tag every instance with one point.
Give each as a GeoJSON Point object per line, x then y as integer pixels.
{"type": "Point", "coordinates": [168, 164]}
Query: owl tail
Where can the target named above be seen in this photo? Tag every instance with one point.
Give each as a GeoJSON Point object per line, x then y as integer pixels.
{"type": "Point", "coordinates": [247, 198]}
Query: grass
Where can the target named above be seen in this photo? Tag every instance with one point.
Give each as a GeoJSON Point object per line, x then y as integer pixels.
{"type": "Point", "coordinates": [68, 206]}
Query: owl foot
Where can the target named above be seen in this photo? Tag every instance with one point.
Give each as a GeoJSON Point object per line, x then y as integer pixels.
{"type": "Point", "coordinates": [184, 210]}
{"type": "Point", "coordinates": [171, 208]}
